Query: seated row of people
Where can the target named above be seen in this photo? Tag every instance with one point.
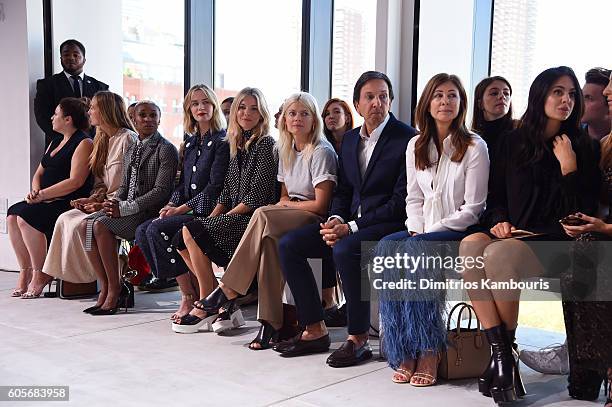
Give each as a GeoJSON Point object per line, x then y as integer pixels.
{"type": "Point", "coordinates": [382, 181]}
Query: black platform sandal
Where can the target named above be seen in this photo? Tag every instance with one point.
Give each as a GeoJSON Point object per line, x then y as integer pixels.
{"type": "Point", "coordinates": [266, 337]}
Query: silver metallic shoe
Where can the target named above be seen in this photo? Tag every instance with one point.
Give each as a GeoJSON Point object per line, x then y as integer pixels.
{"type": "Point", "coordinates": [552, 359]}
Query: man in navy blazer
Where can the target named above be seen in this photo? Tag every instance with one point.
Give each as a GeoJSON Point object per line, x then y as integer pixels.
{"type": "Point", "coordinates": [369, 203]}
{"type": "Point", "coordinates": [71, 82]}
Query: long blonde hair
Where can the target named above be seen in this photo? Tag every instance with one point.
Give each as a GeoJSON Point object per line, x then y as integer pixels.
{"type": "Point", "coordinates": [285, 139]}
{"type": "Point", "coordinates": [113, 113]}
{"type": "Point", "coordinates": [217, 122]}
{"type": "Point", "coordinates": [234, 131]}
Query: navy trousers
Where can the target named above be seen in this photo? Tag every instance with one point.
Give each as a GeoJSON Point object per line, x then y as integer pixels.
{"type": "Point", "coordinates": [301, 244]}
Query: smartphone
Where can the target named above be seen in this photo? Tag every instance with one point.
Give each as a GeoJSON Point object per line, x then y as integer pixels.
{"type": "Point", "coordinates": [573, 220]}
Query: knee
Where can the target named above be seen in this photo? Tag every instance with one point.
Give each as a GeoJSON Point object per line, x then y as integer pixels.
{"type": "Point", "coordinates": [286, 244]}
{"type": "Point", "coordinates": [187, 238]}
{"type": "Point", "coordinates": [500, 257]}
{"type": "Point", "coordinates": [11, 220]}
{"type": "Point", "coordinates": [343, 251]}
{"type": "Point", "coordinates": [144, 230]}
{"type": "Point", "coordinates": [473, 245]}
{"type": "Point", "coordinates": [99, 229]}
{"type": "Point", "coordinates": [20, 221]}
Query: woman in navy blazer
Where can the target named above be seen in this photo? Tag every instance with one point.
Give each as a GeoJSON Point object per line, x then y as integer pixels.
{"type": "Point", "coordinates": [205, 162]}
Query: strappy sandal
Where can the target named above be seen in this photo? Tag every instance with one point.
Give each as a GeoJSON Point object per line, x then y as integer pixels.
{"type": "Point", "coordinates": [429, 379]}
{"type": "Point", "coordinates": [29, 295]}
{"type": "Point", "coordinates": [402, 376]}
{"type": "Point", "coordinates": [266, 337]}
{"type": "Point", "coordinates": [18, 292]}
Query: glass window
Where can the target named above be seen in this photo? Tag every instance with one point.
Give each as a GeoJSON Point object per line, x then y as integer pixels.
{"type": "Point", "coordinates": [446, 32]}
{"type": "Point", "coordinates": [258, 44]}
{"type": "Point", "coordinates": [530, 36]}
{"type": "Point", "coordinates": [153, 55]}
{"type": "Point", "coordinates": [354, 46]}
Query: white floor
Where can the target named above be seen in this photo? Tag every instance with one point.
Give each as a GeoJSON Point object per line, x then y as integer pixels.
{"type": "Point", "coordinates": [135, 359]}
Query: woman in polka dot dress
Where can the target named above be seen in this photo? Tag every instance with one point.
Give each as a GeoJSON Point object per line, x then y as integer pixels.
{"type": "Point", "coordinates": [205, 162]}
{"type": "Point", "coordinates": [249, 184]}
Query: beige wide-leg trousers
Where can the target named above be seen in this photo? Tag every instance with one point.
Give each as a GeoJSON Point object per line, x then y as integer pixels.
{"type": "Point", "coordinates": [257, 255]}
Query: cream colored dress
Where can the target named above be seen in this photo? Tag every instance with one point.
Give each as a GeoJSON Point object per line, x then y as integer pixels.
{"type": "Point", "coordinates": [67, 258]}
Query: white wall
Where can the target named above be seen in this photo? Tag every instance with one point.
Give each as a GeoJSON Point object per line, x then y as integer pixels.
{"type": "Point", "coordinates": [21, 44]}
{"type": "Point", "coordinates": [97, 24]}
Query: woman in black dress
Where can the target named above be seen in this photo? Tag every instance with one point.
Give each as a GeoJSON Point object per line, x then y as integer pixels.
{"type": "Point", "coordinates": [545, 170]}
{"type": "Point", "coordinates": [589, 323]}
{"type": "Point", "coordinates": [492, 116]}
{"type": "Point", "coordinates": [63, 175]}
{"type": "Point", "coordinates": [249, 184]}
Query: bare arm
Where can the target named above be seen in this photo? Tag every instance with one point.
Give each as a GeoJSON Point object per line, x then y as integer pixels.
{"type": "Point", "coordinates": [319, 205]}
{"type": "Point", "coordinates": [79, 171]}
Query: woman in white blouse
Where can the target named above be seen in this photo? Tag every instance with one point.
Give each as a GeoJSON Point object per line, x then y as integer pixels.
{"type": "Point", "coordinates": [447, 170]}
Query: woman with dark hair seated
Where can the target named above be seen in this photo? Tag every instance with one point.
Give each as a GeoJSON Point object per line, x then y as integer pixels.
{"type": "Point", "coordinates": [588, 324]}
{"type": "Point", "coordinates": [205, 160]}
{"type": "Point", "coordinates": [447, 169]}
{"type": "Point", "coordinates": [250, 183]}
{"type": "Point", "coordinates": [545, 170]}
{"type": "Point", "coordinates": [492, 114]}
{"type": "Point", "coordinates": [337, 120]}
{"type": "Point", "coordinates": [150, 167]}
{"type": "Point", "coordinates": [63, 175]}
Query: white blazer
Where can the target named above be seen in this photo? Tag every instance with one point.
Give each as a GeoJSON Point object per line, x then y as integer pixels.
{"type": "Point", "coordinates": [448, 195]}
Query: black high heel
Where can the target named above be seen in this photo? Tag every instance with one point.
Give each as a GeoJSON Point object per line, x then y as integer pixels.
{"type": "Point", "coordinates": [266, 335]}
{"type": "Point", "coordinates": [484, 381]}
{"type": "Point", "coordinates": [122, 302]}
{"type": "Point", "coordinates": [91, 309]}
{"type": "Point", "coordinates": [502, 380]}
{"type": "Point", "coordinates": [127, 290]}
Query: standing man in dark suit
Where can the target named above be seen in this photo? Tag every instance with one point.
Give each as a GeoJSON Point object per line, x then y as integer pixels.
{"type": "Point", "coordinates": [71, 82]}
{"type": "Point", "coordinates": [369, 203]}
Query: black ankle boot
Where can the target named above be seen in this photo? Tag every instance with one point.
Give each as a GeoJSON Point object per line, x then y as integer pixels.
{"type": "Point", "coordinates": [500, 375]}
{"type": "Point", "coordinates": [520, 388]}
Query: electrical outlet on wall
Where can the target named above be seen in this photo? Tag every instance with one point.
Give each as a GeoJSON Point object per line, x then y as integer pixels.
{"type": "Point", "coordinates": [3, 225]}
{"type": "Point", "coordinates": [3, 205]}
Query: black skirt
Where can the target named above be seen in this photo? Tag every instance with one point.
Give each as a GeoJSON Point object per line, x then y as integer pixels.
{"type": "Point", "coordinates": [41, 216]}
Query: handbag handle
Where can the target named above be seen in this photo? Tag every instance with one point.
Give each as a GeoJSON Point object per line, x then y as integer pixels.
{"type": "Point", "coordinates": [463, 306]}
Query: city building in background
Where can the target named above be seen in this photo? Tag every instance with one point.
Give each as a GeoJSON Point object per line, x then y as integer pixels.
{"type": "Point", "coordinates": [153, 55]}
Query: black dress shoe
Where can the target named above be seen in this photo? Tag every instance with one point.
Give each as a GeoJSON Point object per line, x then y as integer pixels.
{"type": "Point", "coordinates": [160, 285]}
{"type": "Point", "coordinates": [146, 280]}
{"type": "Point", "coordinates": [335, 317]}
{"type": "Point", "coordinates": [348, 355]}
{"type": "Point", "coordinates": [286, 344]}
{"type": "Point", "coordinates": [301, 347]}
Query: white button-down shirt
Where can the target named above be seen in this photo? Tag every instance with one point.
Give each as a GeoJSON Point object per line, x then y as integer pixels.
{"type": "Point", "coordinates": [367, 143]}
{"type": "Point", "coordinates": [448, 195]}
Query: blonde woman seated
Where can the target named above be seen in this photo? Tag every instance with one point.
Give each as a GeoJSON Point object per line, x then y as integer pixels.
{"type": "Point", "coordinates": [67, 258]}
{"type": "Point", "coordinates": [250, 183]}
{"type": "Point", "coordinates": [307, 172]}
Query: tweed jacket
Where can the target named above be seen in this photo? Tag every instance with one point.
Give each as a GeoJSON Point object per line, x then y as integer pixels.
{"type": "Point", "coordinates": [205, 165]}
{"type": "Point", "coordinates": [155, 177]}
